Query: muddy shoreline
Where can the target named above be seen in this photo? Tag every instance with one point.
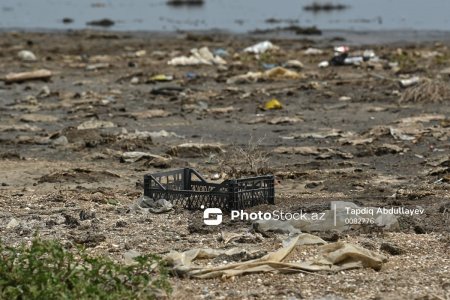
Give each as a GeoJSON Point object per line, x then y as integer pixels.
{"type": "Point", "coordinates": [349, 133]}
{"type": "Point", "coordinates": [349, 37]}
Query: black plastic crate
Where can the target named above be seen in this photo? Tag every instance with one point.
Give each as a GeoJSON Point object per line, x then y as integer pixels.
{"type": "Point", "coordinates": [188, 188]}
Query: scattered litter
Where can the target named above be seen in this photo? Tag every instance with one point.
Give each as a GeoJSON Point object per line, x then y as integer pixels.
{"type": "Point", "coordinates": [247, 237]}
{"type": "Point", "coordinates": [398, 134]}
{"type": "Point", "coordinates": [221, 110]}
{"type": "Point", "coordinates": [42, 74]}
{"type": "Point", "coordinates": [293, 64]}
{"type": "Point", "coordinates": [135, 156]}
{"type": "Point", "coordinates": [345, 98]}
{"type": "Point", "coordinates": [324, 64]}
{"type": "Point", "coordinates": [161, 77]}
{"type": "Point", "coordinates": [333, 257]}
{"type": "Point", "coordinates": [320, 152]}
{"type": "Point", "coordinates": [26, 56]}
{"type": "Point", "coordinates": [409, 82]}
{"type": "Point", "coordinates": [273, 104]}
{"type": "Point", "coordinates": [284, 120]}
{"type": "Point", "coordinates": [269, 66]}
{"type": "Point", "coordinates": [274, 74]}
{"type": "Point", "coordinates": [342, 56]}
{"type": "Point", "coordinates": [313, 51]}
{"type": "Point", "coordinates": [221, 52]}
{"type": "Point", "coordinates": [97, 66]}
{"type": "Point", "coordinates": [200, 56]}
{"type": "Point", "coordinates": [261, 47]}
{"type": "Point", "coordinates": [140, 53]}
{"type": "Point", "coordinates": [150, 134]}
{"type": "Point", "coordinates": [94, 124]}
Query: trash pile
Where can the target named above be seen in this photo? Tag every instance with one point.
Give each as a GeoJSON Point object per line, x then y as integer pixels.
{"type": "Point", "coordinates": [332, 257]}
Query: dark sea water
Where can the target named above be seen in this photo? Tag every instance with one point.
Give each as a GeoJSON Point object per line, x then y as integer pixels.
{"type": "Point", "coordinates": [231, 15]}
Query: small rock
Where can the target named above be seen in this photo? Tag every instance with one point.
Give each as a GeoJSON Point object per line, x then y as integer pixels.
{"type": "Point", "coordinates": [89, 239]}
{"type": "Point", "coordinates": [130, 255]}
{"type": "Point", "coordinates": [26, 55]}
{"type": "Point", "coordinates": [60, 141]}
{"type": "Point", "coordinates": [419, 229]}
{"type": "Point", "coordinates": [134, 80]}
{"type": "Point", "coordinates": [86, 215]}
{"type": "Point", "coordinates": [391, 249]}
{"type": "Point", "coordinates": [70, 221]}
{"type": "Point", "coordinates": [121, 223]}
{"type": "Point", "coordinates": [12, 224]}
{"type": "Point", "coordinates": [44, 92]}
{"type": "Point", "coordinates": [445, 208]}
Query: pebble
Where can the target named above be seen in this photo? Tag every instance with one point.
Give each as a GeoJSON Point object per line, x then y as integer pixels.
{"type": "Point", "coordinates": [26, 55]}
{"type": "Point", "coordinates": [60, 141]}
{"type": "Point", "coordinates": [12, 224]}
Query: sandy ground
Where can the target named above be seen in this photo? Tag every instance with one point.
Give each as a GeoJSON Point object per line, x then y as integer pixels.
{"type": "Point", "coordinates": [342, 134]}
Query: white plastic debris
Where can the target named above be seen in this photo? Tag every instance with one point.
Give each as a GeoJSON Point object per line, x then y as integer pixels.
{"type": "Point", "coordinates": [355, 60]}
{"type": "Point", "coordinates": [200, 56]}
{"type": "Point", "coordinates": [313, 51]}
{"type": "Point", "coordinates": [26, 55]}
{"type": "Point", "coordinates": [293, 64]}
{"type": "Point", "coordinates": [323, 64]}
{"type": "Point", "coordinates": [261, 47]}
{"type": "Point", "coordinates": [410, 81]}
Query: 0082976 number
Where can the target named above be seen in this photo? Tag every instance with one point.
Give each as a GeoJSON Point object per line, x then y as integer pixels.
{"type": "Point", "coordinates": [353, 221]}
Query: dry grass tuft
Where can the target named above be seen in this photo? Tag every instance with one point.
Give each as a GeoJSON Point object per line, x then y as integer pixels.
{"type": "Point", "coordinates": [243, 161]}
{"type": "Point", "coordinates": [428, 91]}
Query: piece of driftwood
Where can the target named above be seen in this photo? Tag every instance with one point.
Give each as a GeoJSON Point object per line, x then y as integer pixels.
{"type": "Point", "coordinates": [25, 76]}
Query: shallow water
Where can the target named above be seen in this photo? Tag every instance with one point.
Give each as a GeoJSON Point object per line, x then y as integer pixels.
{"type": "Point", "coordinates": [231, 15]}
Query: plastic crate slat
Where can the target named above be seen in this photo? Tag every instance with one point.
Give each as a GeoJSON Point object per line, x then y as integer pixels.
{"type": "Point", "coordinates": [179, 187]}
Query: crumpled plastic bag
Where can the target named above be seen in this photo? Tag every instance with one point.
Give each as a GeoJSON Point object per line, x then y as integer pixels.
{"type": "Point", "coordinates": [148, 204]}
{"type": "Point", "coordinates": [261, 47]}
{"type": "Point", "coordinates": [273, 74]}
{"type": "Point", "coordinates": [200, 56]}
{"type": "Point", "coordinates": [337, 218]}
{"type": "Point", "coordinates": [332, 257]}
